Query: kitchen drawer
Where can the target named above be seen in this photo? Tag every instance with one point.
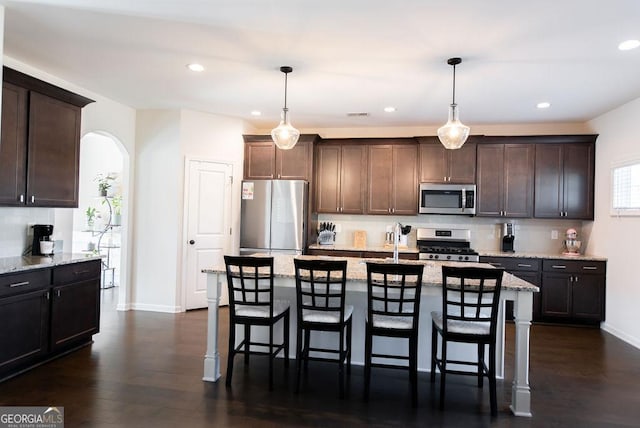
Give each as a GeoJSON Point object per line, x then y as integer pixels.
{"type": "Point", "coordinates": [513, 263]}
{"type": "Point", "coordinates": [76, 272]}
{"type": "Point", "coordinates": [22, 282]}
{"type": "Point", "coordinates": [574, 266]}
{"type": "Point", "coordinates": [388, 255]}
{"type": "Point", "coordinates": [335, 253]}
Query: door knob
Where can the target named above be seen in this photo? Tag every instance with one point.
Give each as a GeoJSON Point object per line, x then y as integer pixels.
{"type": "Point", "coordinates": [192, 242]}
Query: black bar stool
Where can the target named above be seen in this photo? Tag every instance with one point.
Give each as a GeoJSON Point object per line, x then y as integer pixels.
{"type": "Point", "coordinates": [251, 303]}
{"type": "Point", "coordinates": [469, 315]}
{"type": "Point", "coordinates": [320, 295]}
{"type": "Point", "coordinates": [393, 308]}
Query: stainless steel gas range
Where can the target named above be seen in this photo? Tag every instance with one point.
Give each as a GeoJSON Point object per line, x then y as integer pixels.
{"type": "Point", "coordinates": [445, 244]}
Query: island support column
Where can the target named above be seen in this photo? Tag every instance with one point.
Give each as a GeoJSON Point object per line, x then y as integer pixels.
{"type": "Point", "coordinates": [212, 356]}
{"type": "Point", "coordinates": [520, 391]}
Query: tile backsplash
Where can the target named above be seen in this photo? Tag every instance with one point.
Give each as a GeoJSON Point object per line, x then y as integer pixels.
{"type": "Point", "coordinates": [14, 224]}
{"type": "Point", "coordinates": [531, 235]}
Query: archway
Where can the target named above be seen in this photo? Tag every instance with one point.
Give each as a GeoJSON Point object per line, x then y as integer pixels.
{"type": "Point", "coordinates": [101, 221]}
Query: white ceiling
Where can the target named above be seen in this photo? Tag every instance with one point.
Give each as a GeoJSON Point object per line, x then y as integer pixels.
{"type": "Point", "coordinates": [348, 56]}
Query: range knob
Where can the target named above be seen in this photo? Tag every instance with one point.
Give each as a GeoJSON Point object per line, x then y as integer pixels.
{"type": "Point", "coordinates": [436, 256]}
{"type": "Point", "coordinates": [460, 258]}
{"type": "Point", "coordinates": [430, 256]}
{"type": "Point", "coordinates": [448, 257]}
{"type": "Point", "coordinates": [466, 257]}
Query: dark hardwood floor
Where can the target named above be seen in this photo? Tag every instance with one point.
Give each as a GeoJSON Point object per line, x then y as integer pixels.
{"type": "Point", "coordinates": [145, 369]}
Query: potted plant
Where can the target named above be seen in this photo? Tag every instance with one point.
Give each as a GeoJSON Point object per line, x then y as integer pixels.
{"type": "Point", "coordinates": [104, 183]}
{"type": "Point", "coordinates": [116, 203]}
{"type": "Point", "coordinates": [91, 214]}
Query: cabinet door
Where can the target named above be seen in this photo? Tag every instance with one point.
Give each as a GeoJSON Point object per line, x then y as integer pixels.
{"type": "Point", "coordinates": [405, 185]}
{"type": "Point", "coordinates": [578, 180]}
{"type": "Point", "coordinates": [380, 179]}
{"type": "Point", "coordinates": [24, 321]}
{"type": "Point", "coordinates": [489, 201]}
{"type": "Point", "coordinates": [53, 152]}
{"type": "Point", "coordinates": [75, 313]}
{"type": "Point", "coordinates": [548, 199]}
{"type": "Point", "coordinates": [518, 180]}
{"type": "Point", "coordinates": [328, 159]}
{"type": "Point", "coordinates": [587, 297]}
{"type": "Point", "coordinates": [556, 295]}
{"type": "Point", "coordinates": [295, 164]}
{"type": "Point", "coordinates": [434, 163]}
{"type": "Point", "coordinates": [353, 179]}
{"type": "Point", "coordinates": [259, 160]}
{"type": "Point", "coordinates": [462, 164]}
{"type": "Point", "coordinates": [13, 145]}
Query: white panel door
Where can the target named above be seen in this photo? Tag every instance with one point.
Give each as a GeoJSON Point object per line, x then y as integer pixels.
{"type": "Point", "coordinates": [208, 225]}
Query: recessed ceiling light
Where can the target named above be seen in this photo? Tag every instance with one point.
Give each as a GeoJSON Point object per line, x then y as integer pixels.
{"type": "Point", "coordinates": [543, 105]}
{"type": "Point", "coordinates": [628, 45]}
{"type": "Point", "coordinates": [256, 113]}
{"type": "Point", "coordinates": [195, 67]}
{"type": "Point", "coordinates": [390, 109]}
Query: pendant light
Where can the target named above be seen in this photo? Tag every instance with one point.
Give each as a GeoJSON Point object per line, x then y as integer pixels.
{"type": "Point", "coordinates": [284, 135]}
{"type": "Point", "coordinates": [453, 134]}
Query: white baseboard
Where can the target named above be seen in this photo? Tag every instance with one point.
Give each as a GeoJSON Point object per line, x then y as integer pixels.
{"type": "Point", "coordinates": [155, 308]}
{"type": "Point", "coordinates": [125, 307]}
{"type": "Point", "coordinates": [633, 341]}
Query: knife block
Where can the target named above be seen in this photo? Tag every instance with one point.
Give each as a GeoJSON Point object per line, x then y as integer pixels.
{"type": "Point", "coordinates": [326, 237]}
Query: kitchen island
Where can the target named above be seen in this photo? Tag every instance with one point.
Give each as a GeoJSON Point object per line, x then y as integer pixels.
{"type": "Point", "coordinates": [513, 289]}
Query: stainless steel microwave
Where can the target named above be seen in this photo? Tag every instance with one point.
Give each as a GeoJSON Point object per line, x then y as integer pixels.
{"type": "Point", "coordinates": [447, 199]}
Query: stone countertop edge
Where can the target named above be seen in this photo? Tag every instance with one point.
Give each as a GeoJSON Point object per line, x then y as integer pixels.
{"type": "Point", "coordinates": [26, 263]}
{"type": "Point", "coordinates": [357, 270]}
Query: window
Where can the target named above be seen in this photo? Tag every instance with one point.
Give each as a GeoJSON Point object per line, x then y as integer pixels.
{"type": "Point", "coordinates": [625, 191]}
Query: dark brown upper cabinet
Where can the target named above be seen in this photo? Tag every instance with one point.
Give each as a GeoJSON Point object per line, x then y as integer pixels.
{"type": "Point", "coordinates": [341, 177]}
{"type": "Point", "coordinates": [439, 165]}
{"type": "Point", "coordinates": [505, 178]}
{"type": "Point", "coordinates": [564, 177]}
{"type": "Point", "coordinates": [392, 178]}
{"type": "Point", "coordinates": [264, 161]}
{"type": "Point", "coordinates": [40, 148]}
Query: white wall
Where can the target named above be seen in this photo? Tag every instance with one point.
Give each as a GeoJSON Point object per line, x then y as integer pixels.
{"type": "Point", "coordinates": [615, 237]}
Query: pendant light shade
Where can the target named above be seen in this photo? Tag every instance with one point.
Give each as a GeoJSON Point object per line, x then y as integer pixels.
{"type": "Point", "coordinates": [284, 135]}
{"type": "Point", "coordinates": [454, 133]}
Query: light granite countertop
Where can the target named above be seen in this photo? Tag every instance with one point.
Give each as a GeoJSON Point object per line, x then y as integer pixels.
{"type": "Point", "coordinates": [357, 270]}
{"type": "Point", "coordinates": [486, 253]}
{"type": "Point", "coordinates": [25, 263]}
{"type": "Point", "coordinates": [378, 248]}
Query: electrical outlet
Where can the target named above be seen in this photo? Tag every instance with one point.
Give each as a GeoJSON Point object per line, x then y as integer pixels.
{"type": "Point", "coordinates": [554, 234]}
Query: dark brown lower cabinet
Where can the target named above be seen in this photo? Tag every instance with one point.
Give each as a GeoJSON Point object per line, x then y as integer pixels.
{"type": "Point", "coordinates": [362, 254]}
{"type": "Point", "coordinates": [47, 312]}
{"type": "Point", "coordinates": [574, 291]}
{"type": "Point", "coordinates": [527, 269]}
{"type": "Point", "coordinates": [24, 330]}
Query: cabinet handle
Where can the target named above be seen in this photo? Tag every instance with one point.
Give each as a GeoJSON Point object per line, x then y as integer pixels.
{"type": "Point", "coordinates": [589, 268]}
{"type": "Point", "coordinates": [559, 267]}
{"type": "Point", "coordinates": [33, 199]}
{"type": "Point", "coordinates": [575, 279]}
{"type": "Point", "coordinates": [523, 265]}
{"type": "Point", "coordinates": [58, 293]}
{"type": "Point", "coordinates": [393, 210]}
{"type": "Point", "coordinates": [47, 295]}
{"type": "Point", "coordinates": [21, 198]}
{"type": "Point", "coordinates": [81, 272]}
{"type": "Point", "coordinates": [19, 284]}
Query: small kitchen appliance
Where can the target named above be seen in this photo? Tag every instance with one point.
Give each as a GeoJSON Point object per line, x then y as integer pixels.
{"type": "Point", "coordinates": [571, 243]}
{"type": "Point", "coordinates": [42, 233]}
{"type": "Point", "coordinates": [445, 245]}
{"type": "Point", "coordinates": [508, 238]}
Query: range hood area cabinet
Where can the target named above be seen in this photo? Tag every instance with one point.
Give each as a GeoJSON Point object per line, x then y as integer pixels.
{"type": "Point", "coordinates": [264, 161]}
{"type": "Point", "coordinates": [505, 178]}
{"type": "Point", "coordinates": [442, 166]}
{"type": "Point", "coordinates": [40, 146]}
{"type": "Point", "coordinates": [393, 178]}
{"type": "Point", "coordinates": [340, 177]}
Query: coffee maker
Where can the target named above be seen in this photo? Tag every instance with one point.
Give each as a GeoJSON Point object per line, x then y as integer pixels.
{"type": "Point", "coordinates": [41, 232]}
{"type": "Point", "coordinates": [508, 238]}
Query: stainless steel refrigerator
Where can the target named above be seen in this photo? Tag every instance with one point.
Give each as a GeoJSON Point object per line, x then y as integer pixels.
{"type": "Point", "coordinates": [273, 216]}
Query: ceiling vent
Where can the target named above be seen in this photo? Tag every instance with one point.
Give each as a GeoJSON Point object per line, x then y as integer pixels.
{"type": "Point", "coordinates": [358, 115]}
